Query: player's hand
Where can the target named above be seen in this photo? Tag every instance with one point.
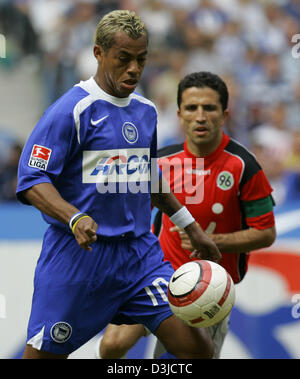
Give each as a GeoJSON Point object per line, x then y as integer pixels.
{"type": "Point", "coordinates": [85, 232]}
{"type": "Point", "coordinates": [203, 247]}
{"type": "Point", "coordinates": [185, 239]}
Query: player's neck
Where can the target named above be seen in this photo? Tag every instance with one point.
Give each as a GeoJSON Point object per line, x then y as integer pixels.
{"type": "Point", "coordinates": [204, 149]}
{"type": "Point", "coordinates": [103, 85]}
{"type": "Point", "coordinates": [98, 81]}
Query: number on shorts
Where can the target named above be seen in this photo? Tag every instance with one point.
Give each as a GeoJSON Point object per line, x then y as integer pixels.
{"type": "Point", "coordinates": [156, 284]}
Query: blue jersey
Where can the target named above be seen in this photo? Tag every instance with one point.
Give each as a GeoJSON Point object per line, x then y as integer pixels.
{"type": "Point", "coordinates": [96, 150]}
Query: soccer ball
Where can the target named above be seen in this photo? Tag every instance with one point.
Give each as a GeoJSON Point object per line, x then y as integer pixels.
{"type": "Point", "coordinates": [201, 293]}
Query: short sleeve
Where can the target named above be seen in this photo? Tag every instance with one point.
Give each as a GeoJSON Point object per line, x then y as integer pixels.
{"type": "Point", "coordinates": [46, 150]}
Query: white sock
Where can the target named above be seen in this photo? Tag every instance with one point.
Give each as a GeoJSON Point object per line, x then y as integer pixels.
{"type": "Point", "coordinates": [97, 347]}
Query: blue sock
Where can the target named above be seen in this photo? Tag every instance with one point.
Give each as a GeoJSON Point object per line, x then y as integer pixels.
{"type": "Point", "coordinates": [167, 355]}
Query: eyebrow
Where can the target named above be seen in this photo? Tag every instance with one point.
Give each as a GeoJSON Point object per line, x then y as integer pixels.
{"type": "Point", "coordinates": [129, 54]}
{"type": "Point", "coordinates": [196, 103]}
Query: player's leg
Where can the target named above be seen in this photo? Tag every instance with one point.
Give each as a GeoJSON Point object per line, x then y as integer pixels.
{"type": "Point", "coordinates": [183, 341]}
{"type": "Point", "coordinates": [32, 353]}
{"type": "Point", "coordinates": [149, 306]}
{"type": "Point", "coordinates": [66, 301]}
{"type": "Point", "coordinates": [159, 349]}
{"type": "Point", "coordinates": [218, 333]}
{"type": "Point", "coordinates": [118, 339]}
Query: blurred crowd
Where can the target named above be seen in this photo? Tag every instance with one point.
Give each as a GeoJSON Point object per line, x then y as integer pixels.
{"type": "Point", "coordinates": [247, 42]}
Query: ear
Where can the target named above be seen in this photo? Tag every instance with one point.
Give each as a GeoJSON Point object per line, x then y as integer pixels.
{"type": "Point", "coordinates": [181, 123]}
{"type": "Point", "coordinates": [179, 114]}
{"type": "Point", "coordinates": [98, 52]}
{"type": "Point", "coordinates": [225, 114]}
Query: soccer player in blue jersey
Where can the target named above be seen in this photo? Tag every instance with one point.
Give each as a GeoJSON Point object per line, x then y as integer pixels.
{"type": "Point", "coordinates": [86, 168]}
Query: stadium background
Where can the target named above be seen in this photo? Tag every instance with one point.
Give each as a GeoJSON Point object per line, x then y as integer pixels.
{"type": "Point", "coordinates": [252, 45]}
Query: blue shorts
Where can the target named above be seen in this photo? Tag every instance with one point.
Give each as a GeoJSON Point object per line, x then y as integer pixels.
{"type": "Point", "coordinates": [77, 292]}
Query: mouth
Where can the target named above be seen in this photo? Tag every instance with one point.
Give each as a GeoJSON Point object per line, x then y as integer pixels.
{"type": "Point", "coordinates": [200, 130]}
{"type": "Point", "coordinates": [130, 84]}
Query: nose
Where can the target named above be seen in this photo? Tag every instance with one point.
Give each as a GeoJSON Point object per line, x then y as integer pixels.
{"type": "Point", "coordinates": [200, 115]}
{"type": "Point", "coordinates": [133, 68]}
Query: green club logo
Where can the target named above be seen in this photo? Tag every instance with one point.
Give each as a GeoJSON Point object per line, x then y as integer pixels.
{"type": "Point", "coordinates": [225, 180]}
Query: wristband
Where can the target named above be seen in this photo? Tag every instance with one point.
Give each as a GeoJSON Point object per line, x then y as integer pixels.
{"type": "Point", "coordinates": [75, 218]}
{"type": "Point", "coordinates": [182, 218]}
{"type": "Point", "coordinates": [76, 222]}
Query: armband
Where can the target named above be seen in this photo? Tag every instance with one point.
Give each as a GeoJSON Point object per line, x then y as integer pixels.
{"type": "Point", "coordinates": [182, 218]}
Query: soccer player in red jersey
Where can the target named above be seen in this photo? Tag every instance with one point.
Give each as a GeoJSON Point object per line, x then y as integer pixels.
{"type": "Point", "coordinates": [222, 185]}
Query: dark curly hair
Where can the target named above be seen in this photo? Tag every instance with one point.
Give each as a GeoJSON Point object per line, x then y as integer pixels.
{"type": "Point", "coordinates": [204, 79]}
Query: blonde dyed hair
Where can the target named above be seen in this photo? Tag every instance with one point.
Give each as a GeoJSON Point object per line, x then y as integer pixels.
{"type": "Point", "coordinates": [119, 20]}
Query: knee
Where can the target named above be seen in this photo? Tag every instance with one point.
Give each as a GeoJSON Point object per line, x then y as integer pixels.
{"type": "Point", "coordinates": [206, 348]}
{"type": "Point", "coordinates": [203, 352]}
{"type": "Point", "coordinates": [112, 347]}
{"type": "Point", "coordinates": [32, 353]}
{"type": "Point", "coordinates": [185, 342]}
{"type": "Point", "coordinates": [194, 350]}
{"type": "Point", "coordinates": [208, 351]}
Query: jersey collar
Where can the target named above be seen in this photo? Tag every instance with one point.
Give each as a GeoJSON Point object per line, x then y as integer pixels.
{"type": "Point", "coordinates": [97, 93]}
{"type": "Point", "coordinates": [213, 155]}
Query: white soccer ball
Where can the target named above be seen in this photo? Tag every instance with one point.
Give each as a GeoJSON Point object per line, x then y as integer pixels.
{"type": "Point", "coordinates": [201, 293]}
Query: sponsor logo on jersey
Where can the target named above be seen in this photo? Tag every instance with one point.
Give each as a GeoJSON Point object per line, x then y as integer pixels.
{"type": "Point", "coordinates": [40, 156]}
{"type": "Point", "coordinates": [61, 332]}
{"type": "Point", "coordinates": [198, 172]}
{"type": "Point", "coordinates": [186, 175]}
{"type": "Point", "coordinates": [130, 132]}
{"type": "Point", "coordinates": [116, 166]}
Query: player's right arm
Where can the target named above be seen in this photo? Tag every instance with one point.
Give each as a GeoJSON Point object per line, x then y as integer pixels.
{"type": "Point", "coordinates": [203, 246]}
{"type": "Point", "coordinates": [47, 199]}
{"type": "Point", "coordinates": [42, 163]}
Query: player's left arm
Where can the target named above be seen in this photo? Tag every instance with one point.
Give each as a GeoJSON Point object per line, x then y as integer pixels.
{"type": "Point", "coordinates": [244, 241]}
{"type": "Point", "coordinates": [241, 241]}
{"type": "Point", "coordinates": [259, 218]}
{"type": "Point", "coordinates": [257, 205]}
{"type": "Point", "coordinates": [261, 232]}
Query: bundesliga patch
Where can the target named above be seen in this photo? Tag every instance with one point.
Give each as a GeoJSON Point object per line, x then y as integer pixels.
{"type": "Point", "coordinates": [40, 156]}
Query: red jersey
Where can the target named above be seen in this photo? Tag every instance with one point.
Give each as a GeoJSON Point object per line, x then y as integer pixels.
{"type": "Point", "coordinates": [233, 194]}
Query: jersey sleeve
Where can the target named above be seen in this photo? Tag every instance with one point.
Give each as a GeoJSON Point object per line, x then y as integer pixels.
{"type": "Point", "coordinates": [257, 202]}
{"type": "Point", "coordinates": [153, 147]}
{"type": "Point", "coordinates": [156, 173]}
{"type": "Point", "coordinates": [46, 150]}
